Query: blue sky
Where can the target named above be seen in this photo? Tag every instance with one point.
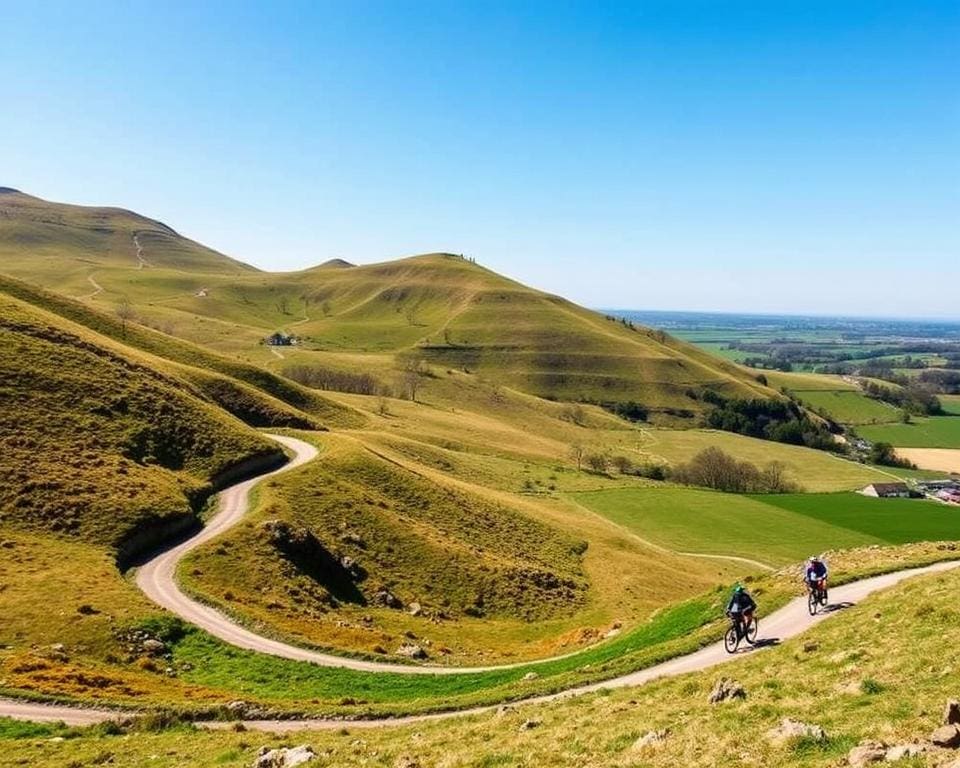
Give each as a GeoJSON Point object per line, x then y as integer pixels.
{"type": "Point", "coordinates": [746, 156]}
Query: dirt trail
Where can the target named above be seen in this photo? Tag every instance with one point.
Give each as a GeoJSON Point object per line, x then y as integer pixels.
{"type": "Point", "coordinates": [789, 621]}
{"type": "Point", "coordinates": [141, 261]}
{"type": "Point", "coordinates": [97, 288]}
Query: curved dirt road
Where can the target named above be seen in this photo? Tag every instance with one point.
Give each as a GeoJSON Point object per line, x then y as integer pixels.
{"type": "Point", "coordinates": [157, 580]}
{"type": "Point", "coordinates": [789, 621]}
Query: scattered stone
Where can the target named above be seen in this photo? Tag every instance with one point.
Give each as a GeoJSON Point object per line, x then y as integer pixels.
{"type": "Point", "coordinates": [405, 761]}
{"type": "Point", "coordinates": [529, 725]}
{"type": "Point", "coordinates": [504, 709]}
{"type": "Point", "coordinates": [951, 713]}
{"type": "Point", "coordinates": [946, 736]}
{"type": "Point", "coordinates": [867, 752]}
{"type": "Point", "coordinates": [153, 647]}
{"type": "Point", "coordinates": [531, 676]}
{"type": "Point", "coordinates": [87, 610]}
{"type": "Point", "coordinates": [411, 651]}
{"type": "Point", "coordinates": [284, 757]}
{"type": "Point", "coordinates": [794, 729]}
{"type": "Point", "coordinates": [903, 751]}
{"type": "Point", "coordinates": [810, 646]}
{"type": "Point", "coordinates": [58, 647]}
{"type": "Point", "coordinates": [387, 599]}
{"type": "Point", "coordinates": [613, 632]}
{"type": "Point", "coordinates": [650, 740]}
{"type": "Point", "coordinates": [7, 544]}
{"type": "Point", "coordinates": [725, 690]}
{"type": "Point", "coordinates": [415, 609]}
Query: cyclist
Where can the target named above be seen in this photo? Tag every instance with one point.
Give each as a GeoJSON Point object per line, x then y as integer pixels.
{"type": "Point", "coordinates": [740, 608]}
{"type": "Point", "coordinates": [815, 574]}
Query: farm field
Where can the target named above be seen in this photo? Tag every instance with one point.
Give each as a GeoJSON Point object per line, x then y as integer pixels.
{"type": "Point", "coordinates": [772, 529]}
{"type": "Point", "coordinates": [922, 432]}
{"type": "Point", "coordinates": [847, 407]}
{"type": "Point", "coordinates": [939, 459]}
{"type": "Point", "coordinates": [950, 404]}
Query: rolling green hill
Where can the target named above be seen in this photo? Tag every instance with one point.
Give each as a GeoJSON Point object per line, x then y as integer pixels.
{"type": "Point", "coordinates": [438, 309]}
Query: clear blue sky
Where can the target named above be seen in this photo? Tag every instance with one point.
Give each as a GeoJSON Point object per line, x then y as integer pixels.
{"type": "Point", "coordinates": [754, 156]}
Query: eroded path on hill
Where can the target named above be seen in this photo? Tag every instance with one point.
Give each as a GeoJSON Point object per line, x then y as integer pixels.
{"type": "Point", "coordinates": [781, 625]}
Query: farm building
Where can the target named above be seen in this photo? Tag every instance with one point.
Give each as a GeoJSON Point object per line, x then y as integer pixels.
{"type": "Point", "coordinates": [887, 490]}
{"type": "Point", "coordinates": [279, 339]}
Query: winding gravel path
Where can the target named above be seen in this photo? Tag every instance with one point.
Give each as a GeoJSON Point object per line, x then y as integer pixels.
{"type": "Point", "coordinates": [156, 579]}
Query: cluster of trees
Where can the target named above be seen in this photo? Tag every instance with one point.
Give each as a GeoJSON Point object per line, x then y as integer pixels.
{"type": "Point", "coordinates": [711, 468]}
{"type": "Point", "coordinates": [407, 384]}
{"type": "Point", "coordinates": [602, 462]}
{"type": "Point", "coordinates": [885, 455]}
{"type": "Point", "coordinates": [320, 377]}
{"type": "Point", "coordinates": [780, 420]}
{"type": "Point", "coordinates": [943, 382]}
{"type": "Point", "coordinates": [714, 468]}
{"type": "Point", "coordinates": [913, 397]}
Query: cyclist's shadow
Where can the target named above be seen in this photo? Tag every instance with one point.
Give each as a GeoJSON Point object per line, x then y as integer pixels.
{"type": "Point", "coordinates": [834, 607]}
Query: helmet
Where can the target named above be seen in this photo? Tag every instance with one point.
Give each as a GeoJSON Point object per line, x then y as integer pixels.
{"type": "Point", "coordinates": [738, 588]}
{"type": "Point", "coordinates": [814, 558]}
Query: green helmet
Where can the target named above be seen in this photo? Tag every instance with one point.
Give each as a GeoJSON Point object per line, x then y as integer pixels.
{"type": "Point", "coordinates": [738, 588]}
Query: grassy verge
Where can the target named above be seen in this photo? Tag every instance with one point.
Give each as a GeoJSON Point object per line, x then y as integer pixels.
{"type": "Point", "coordinates": [880, 671]}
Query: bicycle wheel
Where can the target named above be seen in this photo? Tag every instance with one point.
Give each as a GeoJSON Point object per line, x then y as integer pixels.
{"type": "Point", "coordinates": [752, 628]}
{"type": "Point", "coordinates": [812, 602]}
{"type": "Point", "coordinates": [730, 640]}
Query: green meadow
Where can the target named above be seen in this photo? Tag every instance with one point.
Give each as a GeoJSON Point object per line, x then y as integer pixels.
{"type": "Point", "coordinates": [922, 432]}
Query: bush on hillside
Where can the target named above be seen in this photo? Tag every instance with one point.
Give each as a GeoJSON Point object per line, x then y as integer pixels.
{"type": "Point", "coordinates": [781, 420]}
{"type": "Point", "coordinates": [714, 468]}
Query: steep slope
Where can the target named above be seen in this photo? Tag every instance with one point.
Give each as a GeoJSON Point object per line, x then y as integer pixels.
{"type": "Point", "coordinates": [99, 445]}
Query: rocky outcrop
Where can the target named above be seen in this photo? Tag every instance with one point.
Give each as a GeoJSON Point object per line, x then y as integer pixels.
{"type": "Point", "coordinates": [726, 690]}
{"type": "Point", "coordinates": [650, 740]}
{"type": "Point", "coordinates": [284, 757]}
{"type": "Point", "coordinates": [946, 736]}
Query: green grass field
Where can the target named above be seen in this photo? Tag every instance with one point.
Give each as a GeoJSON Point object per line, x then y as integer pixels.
{"type": "Point", "coordinates": [848, 407]}
{"type": "Point", "coordinates": [950, 404]}
{"type": "Point", "coordinates": [923, 432]}
{"type": "Point", "coordinates": [773, 529]}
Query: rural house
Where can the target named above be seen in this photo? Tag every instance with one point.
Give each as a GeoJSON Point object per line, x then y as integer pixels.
{"type": "Point", "coordinates": [887, 490]}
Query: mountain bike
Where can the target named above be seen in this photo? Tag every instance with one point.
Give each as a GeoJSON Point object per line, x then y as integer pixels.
{"type": "Point", "coordinates": [741, 629]}
{"type": "Point", "coordinates": [817, 596]}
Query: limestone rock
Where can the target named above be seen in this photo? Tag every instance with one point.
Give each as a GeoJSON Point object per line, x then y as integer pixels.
{"type": "Point", "coordinates": [725, 690]}
{"type": "Point", "coordinates": [529, 725]}
{"type": "Point", "coordinates": [946, 736]}
{"type": "Point", "coordinates": [903, 751]}
{"type": "Point", "coordinates": [867, 752]}
{"type": "Point", "coordinates": [411, 651]}
{"type": "Point", "coordinates": [951, 713]}
{"type": "Point", "coordinates": [794, 729]}
{"type": "Point", "coordinates": [531, 676]}
{"type": "Point", "coordinates": [284, 758]}
{"type": "Point", "coordinates": [153, 647]}
{"type": "Point", "coordinates": [650, 740]}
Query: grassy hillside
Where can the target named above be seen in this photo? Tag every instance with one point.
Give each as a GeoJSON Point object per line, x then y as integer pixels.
{"type": "Point", "coordinates": [440, 309]}
{"type": "Point", "coordinates": [96, 443]}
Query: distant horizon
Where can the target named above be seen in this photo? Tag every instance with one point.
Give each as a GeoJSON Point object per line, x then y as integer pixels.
{"type": "Point", "coordinates": [946, 319]}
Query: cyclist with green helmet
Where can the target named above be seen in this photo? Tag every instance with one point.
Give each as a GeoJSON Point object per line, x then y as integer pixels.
{"type": "Point", "coordinates": [741, 607]}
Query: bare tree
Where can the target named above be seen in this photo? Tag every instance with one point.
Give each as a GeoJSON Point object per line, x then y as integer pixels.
{"type": "Point", "coordinates": [576, 453]}
{"type": "Point", "coordinates": [126, 313]}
